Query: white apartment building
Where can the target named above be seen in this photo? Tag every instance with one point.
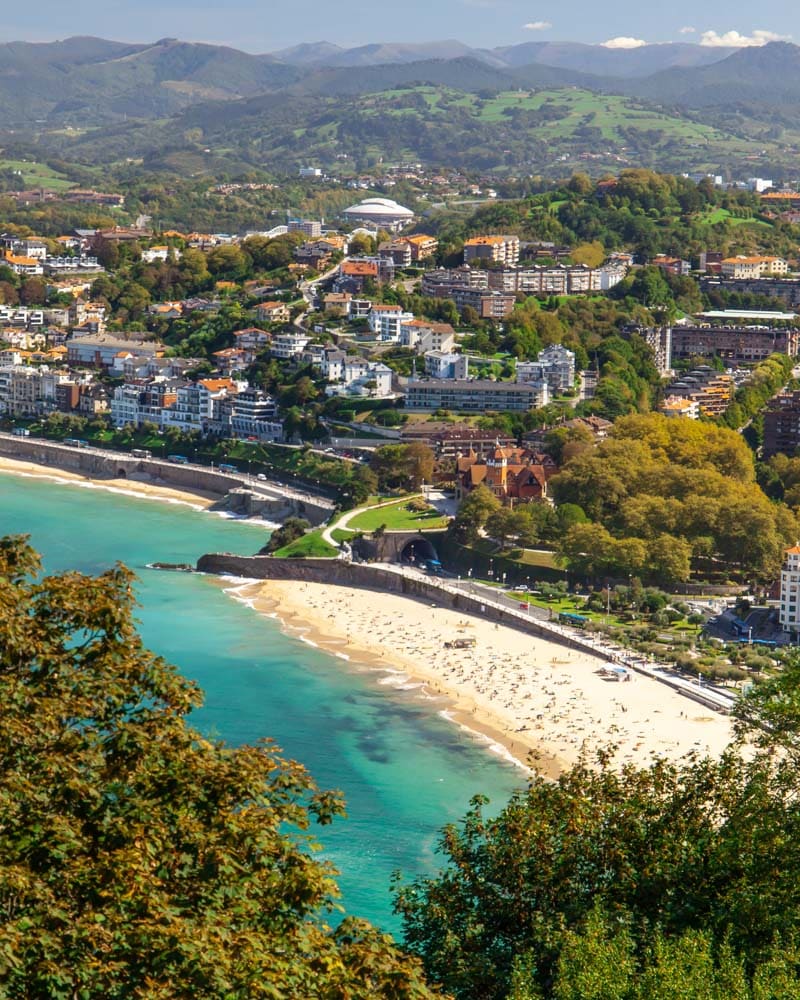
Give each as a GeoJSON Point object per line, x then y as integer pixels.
{"type": "Point", "coordinates": [446, 364]}
{"type": "Point", "coordinates": [422, 336]}
{"type": "Point", "coordinates": [385, 322]}
{"type": "Point", "coordinates": [554, 365]}
{"type": "Point", "coordinates": [253, 413]}
{"type": "Point", "coordinates": [789, 615]}
{"type": "Point", "coordinates": [358, 377]}
{"type": "Point", "coordinates": [288, 345]}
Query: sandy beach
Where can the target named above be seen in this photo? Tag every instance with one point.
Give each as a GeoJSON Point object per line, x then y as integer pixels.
{"type": "Point", "coordinates": [199, 500]}
{"type": "Point", "coordinates": [524, 693]}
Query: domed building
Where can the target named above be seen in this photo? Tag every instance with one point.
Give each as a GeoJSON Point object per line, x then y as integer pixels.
{"type": "Point", "coordinates": [381, 212]}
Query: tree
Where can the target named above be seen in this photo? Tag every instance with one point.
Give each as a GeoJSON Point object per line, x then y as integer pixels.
{"type": "Point", "coordinates": [291, 529]}
{"type": "Point", "coordinates": [141, 859]}
{"type": "Point", "coordinates": [679, 874]}
{"type": "Point", "coordinates": [473, 513]}
{"type": "Point", "coordinates": [403, 465]}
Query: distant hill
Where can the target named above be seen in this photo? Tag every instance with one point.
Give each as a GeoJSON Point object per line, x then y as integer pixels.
{"type": "Point", "coordinates": [594, 60]}
{"type": "Point", "coordinates": [598, 60]}
{"type": "Point", "coordinates": [466, 74]}
{"type": "Point", "coordinates": [767, 76]}
{"type": "Point", "coordinates": [89, 79]}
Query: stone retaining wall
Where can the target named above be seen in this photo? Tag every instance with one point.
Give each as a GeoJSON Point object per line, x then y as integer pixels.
{"type": "Point", "coordinates": [345, 574]}
{"type": "Point", "coordinates": [95, 463]}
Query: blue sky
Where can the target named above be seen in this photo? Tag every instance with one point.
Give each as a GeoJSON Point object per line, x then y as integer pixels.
{"type": "Point", "coordinates": [261, 27]}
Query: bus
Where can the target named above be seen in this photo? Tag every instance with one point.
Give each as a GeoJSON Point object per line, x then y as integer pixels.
{"type": "Point", "coordinates": [568, 618]}
{"type": "Point", "coordinates": [76, 442]}
{"type": "Point", "coordinates": [225, 467]}
{"type": "Point", "coordinates": [141, 453]}
{"type": "Point", "coordinates": [178, 459]}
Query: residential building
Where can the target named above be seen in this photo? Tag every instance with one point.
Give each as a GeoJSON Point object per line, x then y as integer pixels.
{"type": "Point", "coordinates": [789, 614]}
{"type": "Point", "coordinates": [21, 316]}
{"type": "Point", "coordinates": [354, 274]}
{"type": "Point", "coordinates": [422, 246]}
{"type": "Point", "coordinates": [659, 340]}
{"type": "Point", "coordinates": [446, 364]}
{"type": "Point", "coordinates": [736, 344]}
{"type": "Point", "coordinates": [336, 303]}
{"type": "Point", "coordinates": [385, 321]}
{"type": "Point", "coordinates": [471, 396]}
{"type": "Point", "coordinates": [22, 265]}
{"type": "Point", "coordinates": [252, 339]}
{"type": "Point", "coordinates": [233, 359]}
{"type": "Point", "coordinates": [193, 408]}
{"type": "Point", "coordinates": [782, 425]}
{"type": "Point", "coordinates": [100, 350]}
{"type": "Point", "coordinates": [449, 440]}
{"type": "Point", "coordinates": [422, 336]}
{"type": "Point", "coordinates": [354, 376]}
{"type": "Point", "coordinates": [555, 365]}
{"type": "Point", "coordinates": [273, 312]}
{"type": "Point", "coordinates": [253, 413]}
{"type": "Point", "coordinates": [785, 289]}
{"type": "Point", "coordinates": [497, 249]}
{"type": "Point", "coordinates": [439, 282]}
{"type": "Point", "coordinates": [359, 308]}
{"type": "Point", "coordinates": [705, 386]}
{"type": "Point", "coordinates": [512, 474]}
{"type": "Point", "coordinates": [680, 406]}
{"type": "Point", "coordinates": [752, 267]}
{"type": "Point", "coordinates": [143, 400]}
{"type": "Point", "coordinates": [671, 265]}
{"type": "Point", "coordinates": [398, 251]}
{"type": "Point", "coordinates": [312, 228]}
{"type": "Point", "coordinates": [288, 345]}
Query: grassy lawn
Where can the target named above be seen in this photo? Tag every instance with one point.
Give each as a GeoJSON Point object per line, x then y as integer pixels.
{"type": "Point", "coordinates": [37, 175]}
{"type": "Point", "coordinates": [529, 557]}
{"type": "Point", "coordinates": [398, 517]}
{"type": "Point", "coordinates": [309, 546]}
{"type": "Point", "coordinates": [342, 534]}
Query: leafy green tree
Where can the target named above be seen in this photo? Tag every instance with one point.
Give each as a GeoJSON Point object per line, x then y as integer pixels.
{"type": "Point", "coordinates": [139, 858]}
{"type": "Point", "coordinates": [473, 513]}
{"type": "Point", "coordinates": [291, 529]}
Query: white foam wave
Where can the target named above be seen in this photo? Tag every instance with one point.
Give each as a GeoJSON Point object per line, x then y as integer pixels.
{"type": "Point", "coordinates": [491, 745]}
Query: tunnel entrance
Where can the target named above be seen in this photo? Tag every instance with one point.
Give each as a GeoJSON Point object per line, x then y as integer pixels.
{"type": "Point", "coordinates": [418, 551]}
{"type": "Point", "coordinates": [122, 474]}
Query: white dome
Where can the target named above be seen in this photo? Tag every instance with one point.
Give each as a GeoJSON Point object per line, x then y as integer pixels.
{"type": "Point", "coordinates": [384, 207]}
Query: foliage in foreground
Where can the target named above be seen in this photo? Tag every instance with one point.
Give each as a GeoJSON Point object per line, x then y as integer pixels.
{"type": "Point", "coordinates": [138, 859]}
{"type": "Point", "coordinates": [596, 884]}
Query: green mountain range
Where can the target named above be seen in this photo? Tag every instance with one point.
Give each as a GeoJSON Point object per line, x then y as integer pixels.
{"type": "Point", "coordinates": [536, 107]}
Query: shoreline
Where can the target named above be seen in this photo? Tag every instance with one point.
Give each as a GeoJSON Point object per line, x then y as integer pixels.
{"type": "Point", "coordinates": [533, 702]}
{"type": "Point", "coordinates": [146, 489]}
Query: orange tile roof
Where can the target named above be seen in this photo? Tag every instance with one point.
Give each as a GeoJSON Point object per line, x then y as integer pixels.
{"type": "Point", "coordinates": [217, 384]}
{"type": "Point", "coordinates": [359, 268]}
{"type": "Point", "coordinates": [478, 241]}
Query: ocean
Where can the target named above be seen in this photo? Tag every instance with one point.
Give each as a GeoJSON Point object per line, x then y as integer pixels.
{"type": "Point", "coordinates": [404, 769]}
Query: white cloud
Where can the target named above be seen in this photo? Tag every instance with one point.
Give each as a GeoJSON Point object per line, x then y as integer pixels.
{"type": "Point", "coordinates": [624, 42]}
{"type": "Point", "coordinates": [537, 25]}
{"type": "Point", "coordinates": [687, 30]}
{"type": "Point", "coordinates": [714, 39]}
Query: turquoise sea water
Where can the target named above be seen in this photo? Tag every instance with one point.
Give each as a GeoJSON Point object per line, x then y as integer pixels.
{"type": "Point", "coordinates": [404, 770]}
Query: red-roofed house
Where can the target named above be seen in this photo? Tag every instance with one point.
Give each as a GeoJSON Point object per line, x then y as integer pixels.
{"type": "Point", "coordinates": [512, 474]}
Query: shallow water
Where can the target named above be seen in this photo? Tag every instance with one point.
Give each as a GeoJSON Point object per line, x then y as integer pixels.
{"type": "Point", "coordinates": [404, 769]}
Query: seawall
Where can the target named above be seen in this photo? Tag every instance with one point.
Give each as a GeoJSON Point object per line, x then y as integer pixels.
{"type": "Point", "coordinates": [272, 500]}
{"type": "Point", "coordinates": [342, 573]}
